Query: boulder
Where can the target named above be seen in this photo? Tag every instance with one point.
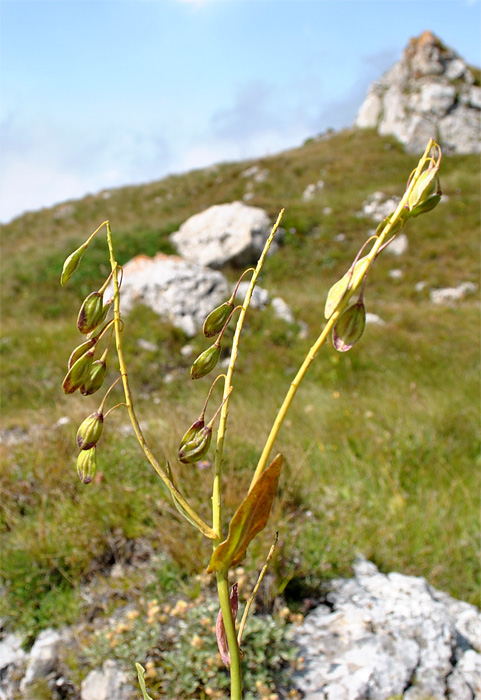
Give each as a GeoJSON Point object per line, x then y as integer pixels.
{"type": "Point", "coordinates": [381, 636]}
{"type": "Point", "coordinates": [224, 233]}
{"type": "Point", "coordinates": [108, 683]}
{"type": "Point", "coordinates": [428, 93]}
{"type": "Point", "coordinates": [181, 292]}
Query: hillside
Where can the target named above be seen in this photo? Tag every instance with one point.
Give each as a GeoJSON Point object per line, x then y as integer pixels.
{"type": "Point", "coordinates": [382, 446]}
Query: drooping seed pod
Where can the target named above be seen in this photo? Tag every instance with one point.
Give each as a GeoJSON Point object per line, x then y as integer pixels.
{"type": "Point", "coordinates": [197, 448]}
{"type": "Point", "coordinates": [349, 281]}
{"type": "Point", "coordinates": [429, 199]}
{"type": "Point", "coordinates": [78, 372]}
{"type": "Point", "coordinates": [87, 465]}
{"type": "Point", "coordinates": [71, 264]}
{"type": "Point", "coordinates": [95, 378]}
{"type": "Point", "coordinates": [217, 319]}
{"type": "Point", "coordinates": [349, 327]}
{"type": "Point", "coordinates": [90, 314]}
{"type": "Point", "coordinates": [192, 431]}
{"type": "Point", "coordinates": [80, 350]}
{"type": "Point", "coordinates": [90, 430]}
{"type": "Point", "coordinates": [206, 362]}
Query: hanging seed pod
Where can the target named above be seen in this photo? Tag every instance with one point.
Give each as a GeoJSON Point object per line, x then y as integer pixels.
{"type": "Point", "coordinates": [95, 378]}
{"type": "Point", "coordinates": [78, 372]}
{"type": "Point", "coordinates": [80, 350]}
{"type": "Point", "coordinates": [71, 264]}
{"type": "Point", "coordinates": [429, 200]}
{"type": "Point", "coordinates": [349, 281]}
{"type": "Point", "coordinates": [192, 432]}
{"type": "Point", "coordinates": [90, 430]}
{"type": "Point", "coordinates": [197, 448]}
{"type": "Point", "coordinates": [206, 362]}
{"type": "Point", "coordinates": [217, 319]}
{"type": "Point", "coordinates": [87, 465]}
{"type": "Point", "coordinates": [349, 327]}
{"type": "Point", "coordinates": [90, 314]}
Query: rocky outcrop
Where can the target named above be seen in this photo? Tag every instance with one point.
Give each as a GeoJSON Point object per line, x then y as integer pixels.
{"type": "Point", "coordinates": [382, 636]}
{"type": "Point", "coordinates": [429, 93]}
{"type": "Point", "coordinates": [224, 233]}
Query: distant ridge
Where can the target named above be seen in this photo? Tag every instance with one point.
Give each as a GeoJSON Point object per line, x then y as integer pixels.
{"type": "Point", "coordinates": [429, 93]}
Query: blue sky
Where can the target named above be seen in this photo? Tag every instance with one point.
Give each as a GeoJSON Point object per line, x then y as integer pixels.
{"type": "Point", "coordinates": [100, 93]}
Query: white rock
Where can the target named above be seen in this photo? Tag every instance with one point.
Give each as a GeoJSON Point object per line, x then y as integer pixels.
{"type": "Point", "coordinates": [450, 296]}
{"type": "Point", "coordinates": [385, 636]}
{"type": "Point", "coordinates": [428, 93]}
{"type": "Point", "coordinates": [396, 274]}
{"type": "Point", "coordinates": [109, 683]}
{"type": "Point", "coordinates": [399, 246]}
{"type": "Point", "coordinates": [260, 297]}
{"type": "Point", "coordinates": [377, 206]}
{"type": "Point", "coordinates": [181, 292]}
{"type": "Point", "coordinates": [11, 652]}
{"type": "Point", "coordinates": [282, 310]}
{"type": "Point", "coordinates": [374, 319]}
{"type": "Point", "coordinates": [43, 657]}
{"type": "Point", "coordinates": [223, 233]}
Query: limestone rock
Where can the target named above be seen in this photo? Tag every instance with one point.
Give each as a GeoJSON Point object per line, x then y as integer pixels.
{"type": "Point", "coordinates": [11, 652]}
{"type": "Point", "coordinates": [182, 292]}
{"type": "Point", "coordinates": [43, 656]}
{"type": "Point", "coordinates": [106, 684]}
{"type": "Point", "coordinates": [378, 205]}
{"type": "Point", "coordinates": [450, 296]}
{"type": "Point", "coordinates": [224, 233]}
{"type": "Point", "coordinates": [428, 93]}
{"type": "Point", "coordinates": [389, 635]}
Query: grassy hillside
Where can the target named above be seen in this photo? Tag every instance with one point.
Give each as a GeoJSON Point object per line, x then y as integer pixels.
{"type": "Point", "coordinates": [382, 445]}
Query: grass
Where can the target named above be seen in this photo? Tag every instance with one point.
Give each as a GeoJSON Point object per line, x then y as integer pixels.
{"type": "Point", "coordinates": [382, 446]}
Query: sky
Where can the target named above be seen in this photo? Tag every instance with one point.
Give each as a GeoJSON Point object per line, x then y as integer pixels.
{"type": "Point", "coordinates": [96, 94]}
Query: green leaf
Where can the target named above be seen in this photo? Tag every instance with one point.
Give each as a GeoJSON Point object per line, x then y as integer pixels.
{"type": "Point", "coordinates": [140, 674]}
{"type": "Point", "coordinates": [249, 519]}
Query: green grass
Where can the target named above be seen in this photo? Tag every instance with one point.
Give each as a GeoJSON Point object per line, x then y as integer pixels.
{"type": "Point", "coordinates": [382, 445]}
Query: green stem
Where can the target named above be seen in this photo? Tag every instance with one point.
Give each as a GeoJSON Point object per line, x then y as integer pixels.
{"type": "Point", "coordinates": [229, 625]}
{"type": "Point", "coordinates": [195, 519]}
{"type": "Point", "coordinates": [378, 243]}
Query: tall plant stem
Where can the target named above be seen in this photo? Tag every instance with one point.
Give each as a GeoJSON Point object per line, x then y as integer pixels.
{"type": "Point", "coordinates": [222, 576]}
{"type": "Point", "coordinates": [379, 241]}
{"type": "Point", "coordinates": [199, 523]}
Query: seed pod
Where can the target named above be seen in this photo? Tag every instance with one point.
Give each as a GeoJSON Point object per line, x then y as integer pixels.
{"type": "Point", "coordinates": [429, 204]}
{"type": "Point", "coordinates": [426, 186]}
{"type": "Point", "coordinates": [90, 430]}
{"type": "Point", "coordinates": [95, 378]}
{"type": "Point", "coordinates": [217, 319]}
{"type": "Point", "coordinates": [80, 350]}
{"type": "Point", "coordinates": [349, 327]}
{"type": "Point", "coordinates": [78, 372]}
{"type": "Point", "coordinates": [206, 362]}
{"type": "Point", "coordinates": [71, 264]}
{"type": "Point", "coordinates": [349, 281]}
{"type": "Point", "coordinates": [87, 465]}
{"type": "Point", "coordinates": [192, 432]}
{"type": "Point", "coordinates": [196, 449]}
{"type": "Point", "coordinates": [90, 314]}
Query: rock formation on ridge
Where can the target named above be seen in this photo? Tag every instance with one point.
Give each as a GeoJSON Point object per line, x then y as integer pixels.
{"type": "Point", "coordinates": [429, 93]}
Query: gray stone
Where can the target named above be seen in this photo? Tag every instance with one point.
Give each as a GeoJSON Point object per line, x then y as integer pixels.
{"type": "Point", "coordinates": [450, 296]}
{"type": "Point", "coordinates": [223, 233]}
{"type": "Point", "coordinates": [378, 205]}
{"type": "Point", "coordinates": [399, 246]}
{"type": "Point", "coordinates": [43, 657]}
{"type": "Point", "coordinates": [282, 310]}
{"type": "Point", "coordinates": [11, 652]}
{"type": "Point", "coordinates": [109, 683]}
{"type": "Point", "coordinates": [180, 291]}
{"type": "Point", "coordinates": [389, 635]}
{"type": "Point", "coordinates": [260, 296]}
{"type": "Point", "coordinates": [428, 93]}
